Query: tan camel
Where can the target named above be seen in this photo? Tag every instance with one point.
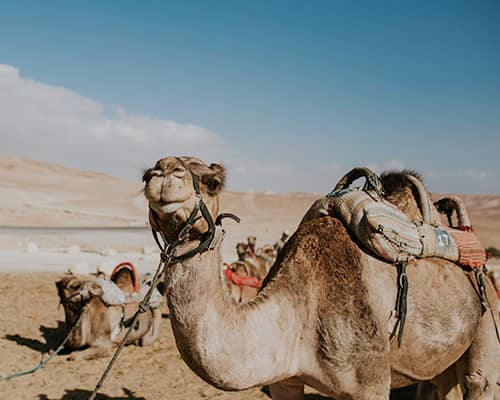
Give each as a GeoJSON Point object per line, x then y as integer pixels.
{"type": "Point", "coordinates": [322, 312]}
{"type": "Point", "coordinates": [248, 265]}
{"type": "Point", "coordinates": [260, 261]}
{"type": "Point", "coordinates": [100, 326]}
{"type": "Point", "coordinates": [240, 291]}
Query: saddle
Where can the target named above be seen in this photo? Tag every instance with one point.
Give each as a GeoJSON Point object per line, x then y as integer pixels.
{"type": "Point", "coordinates": [386, 232]}
{"type": "Point", "coordinates": [119, 290]}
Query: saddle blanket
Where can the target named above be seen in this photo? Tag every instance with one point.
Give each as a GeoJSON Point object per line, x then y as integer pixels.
{"type": "Point", "coordinates": [386, 231]}
{"type": "Point", "coordinates": [113, 295]}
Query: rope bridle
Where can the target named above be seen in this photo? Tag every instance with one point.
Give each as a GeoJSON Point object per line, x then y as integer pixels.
{"type": "Point", "coordinates": [209, 240]}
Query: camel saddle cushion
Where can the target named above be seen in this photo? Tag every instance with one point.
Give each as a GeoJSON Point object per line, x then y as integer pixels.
{"type": "Point", "coordinates": [384, 230]}
{"type": "Point", "coordinates": [379, 225]}
{"type": "Point", "coordinates": [112, 295]}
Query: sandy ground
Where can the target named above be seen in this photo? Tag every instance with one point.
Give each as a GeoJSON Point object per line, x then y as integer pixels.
{"type": "Point", "coordinates": [32, 324]}
{"type": "Point", "coordinates": [53, 219]}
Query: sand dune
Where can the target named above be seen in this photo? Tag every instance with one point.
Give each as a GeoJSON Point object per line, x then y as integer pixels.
{"type": "Point", "coordinates": [61, 209]}
{"type": "Point", "coordinates": [34, 193]}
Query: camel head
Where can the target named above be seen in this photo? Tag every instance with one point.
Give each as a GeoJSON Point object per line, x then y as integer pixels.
{"type": "Point", "coordinates": [241, 250]}
{"type": "Point", "coordinates": [170, 191]}
{"type": "Point", "coordinates": [74, 292]}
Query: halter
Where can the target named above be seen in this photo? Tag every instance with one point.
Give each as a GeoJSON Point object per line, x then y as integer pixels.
{"type": "Point", "coordinates": [209, 240]}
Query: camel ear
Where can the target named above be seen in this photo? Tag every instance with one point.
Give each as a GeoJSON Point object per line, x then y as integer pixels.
{"type": "Point", "coordinates": [147, 175]}
{"type": "Point", "coordinates": [216, 180]}
{"type": "Point", "coordinates": [60, 284]}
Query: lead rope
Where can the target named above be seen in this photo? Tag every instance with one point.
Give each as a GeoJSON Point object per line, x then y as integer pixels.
{"type": "Point", "coordinates": [43, 362]}
{"type": "Point", "coordinates": [166, 256]}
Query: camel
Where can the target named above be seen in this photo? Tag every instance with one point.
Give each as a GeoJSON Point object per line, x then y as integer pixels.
{"type": "Point", "coordinates": [269, 251]}
{"type": "Point", "coordinates": [242, 289]}
{"type": "Point", "coordinates": [101, 326]}
{"type": "Point", "coordinates": [322, 311]}
{"type": "Point", "coordinates": [281, 242]}
{"type": "Point", "coordinates": [248, 265]}
{"type": "Point", "coordinates": [260, 262]}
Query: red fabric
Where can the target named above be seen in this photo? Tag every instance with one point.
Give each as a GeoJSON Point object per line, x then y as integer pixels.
{"type": "Point", "coordinates": [241, 280]}
{"type": "Point", "coordinates": [128, 265]}
{"type": "Point", "coordinates": [470, 250]}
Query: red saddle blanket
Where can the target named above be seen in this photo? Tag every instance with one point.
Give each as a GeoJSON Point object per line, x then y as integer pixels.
{"type": "Point", "coordinates": [470, 250]}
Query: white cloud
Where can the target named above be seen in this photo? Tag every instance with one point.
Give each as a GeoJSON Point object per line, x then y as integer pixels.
{"type": "Point", "coordinates": [388, 165]}
{"type": "Point", "coordinates": [51, 123]}
{"type": "Point", "coordinates": [56, 124]}
{"type": "Point", "coordinates": [476, 174]}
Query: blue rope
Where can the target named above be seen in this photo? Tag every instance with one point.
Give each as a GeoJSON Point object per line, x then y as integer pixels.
{"type": "Point", "coordinates": [43, 362]}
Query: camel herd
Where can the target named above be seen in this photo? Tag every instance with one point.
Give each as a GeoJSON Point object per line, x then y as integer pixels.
{"type": "Point", "coordinates": [245, 275]}
{"type": "Point", "coordinates": [323, 305]}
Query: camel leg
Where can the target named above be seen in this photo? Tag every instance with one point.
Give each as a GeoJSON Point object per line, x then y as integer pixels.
{"type": "Point", "coordinates": [482, 361]}
{"type": "Point", "coordinates": [426, 391]}
{"type": "Point", "coordinates": [154, 329]}
{"type": "Point", "coordinates": [289, 389]}
{"type": "Point", "coordinates": [90, 353]}
{"type": "Point", "coordinates": [449, 385]}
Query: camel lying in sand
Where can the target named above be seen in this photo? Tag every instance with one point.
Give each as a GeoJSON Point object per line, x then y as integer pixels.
{"type": "Point", "coordinates": [322, 311]}
{"type": "Point", "coordinates": [101, 326]}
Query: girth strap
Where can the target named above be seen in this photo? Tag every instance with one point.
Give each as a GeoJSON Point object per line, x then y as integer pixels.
{"type": "Point", "coordinates": [483, 298]}
{"type": "Point", "coordinates": [401, 301]}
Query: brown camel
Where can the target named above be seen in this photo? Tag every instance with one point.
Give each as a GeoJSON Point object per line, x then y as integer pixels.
{"type": "Point", "coordinates": [100, 326]}
{"type": "Point", "coordinates": [322, 312]}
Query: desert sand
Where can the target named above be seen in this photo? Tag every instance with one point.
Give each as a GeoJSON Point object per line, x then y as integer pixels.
{"type": "Point", "coordinates": [53, 218]}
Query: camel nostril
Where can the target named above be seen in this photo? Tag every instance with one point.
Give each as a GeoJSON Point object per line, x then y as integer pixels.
{"type": "Point", "coordinates": [150, 173]}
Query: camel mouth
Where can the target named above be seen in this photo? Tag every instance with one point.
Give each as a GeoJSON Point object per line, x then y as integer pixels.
{"type": "Point", "coordinates": [167, 208]}
{"type": "Point", "coordinates": [170, 207]}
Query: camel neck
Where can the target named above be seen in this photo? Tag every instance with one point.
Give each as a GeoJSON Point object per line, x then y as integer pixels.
{"type": "Point", "coordinates": [228, 345]}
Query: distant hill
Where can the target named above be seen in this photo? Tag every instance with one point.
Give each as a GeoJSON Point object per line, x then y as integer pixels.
{"type": "Point", "coordinates": [34, 193]}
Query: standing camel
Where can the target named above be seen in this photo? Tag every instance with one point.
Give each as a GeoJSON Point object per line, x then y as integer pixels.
{"type": "Point", "coordinates": [322, 311]}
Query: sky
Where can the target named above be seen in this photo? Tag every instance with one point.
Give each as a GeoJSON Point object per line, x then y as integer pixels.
{"type": "Point", "coordinates": [288, 95]}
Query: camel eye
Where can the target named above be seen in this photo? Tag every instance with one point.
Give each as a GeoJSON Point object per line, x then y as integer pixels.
{"type": "Point", "coordinates": [213, 185]}
{"type": "Point", "coordinates": [75, 285]}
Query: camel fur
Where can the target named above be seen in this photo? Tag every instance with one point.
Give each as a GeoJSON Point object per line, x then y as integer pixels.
{"type": "Point", "coordinates": [322, 312]}
{"type": "Point", "coordinates": [100, 326]}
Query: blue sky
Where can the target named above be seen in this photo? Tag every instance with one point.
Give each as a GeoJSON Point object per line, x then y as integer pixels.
{"type": "Point", "coordinates": [289, 95]}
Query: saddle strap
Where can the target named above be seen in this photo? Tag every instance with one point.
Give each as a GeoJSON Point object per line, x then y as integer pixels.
{"type": "Point", "coordinates": [479, 287]}
{"type": "Point", "coordinates": [401, 302]}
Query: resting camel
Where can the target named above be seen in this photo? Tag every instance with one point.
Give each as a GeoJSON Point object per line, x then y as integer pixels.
{"type": "Point", "coordinates": [100, 327]}
{"type": "Point", "coordinates": [322, 311]}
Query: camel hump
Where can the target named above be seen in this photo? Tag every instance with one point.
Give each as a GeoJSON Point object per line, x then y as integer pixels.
{"type": "Point", "coordinates": [125, 276]}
